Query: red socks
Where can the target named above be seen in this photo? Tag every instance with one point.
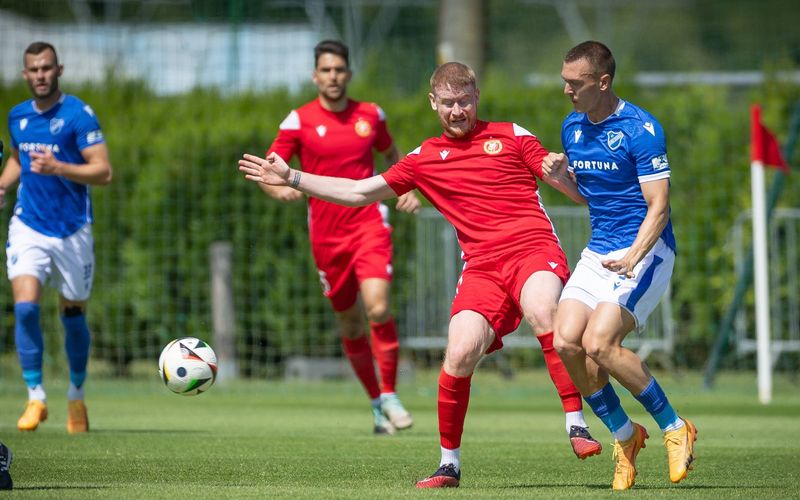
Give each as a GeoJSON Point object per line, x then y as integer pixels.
{"type": "Point", "coordinates": [360, 356]}
{"type": "Point", "coordinates": [570, 397]}
{"type": "Point", "coordinates": [384, 349]}
{"type": "Point", "coordinates": [453, 402]}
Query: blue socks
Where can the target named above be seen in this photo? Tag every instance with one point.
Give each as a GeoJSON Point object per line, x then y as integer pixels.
{"type": "Point", "coordinates": [605, 404]}
{"type": "Point", "coordinates": [655, 402]}
{"type": "Point", "coordinates": [30, 346]}
{"type": "Point", "coordinates": [76, 342]}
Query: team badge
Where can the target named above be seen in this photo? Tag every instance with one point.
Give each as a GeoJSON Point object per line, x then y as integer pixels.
{"type": "Point", "coordinates": [23, 123]}
{"type": "Point", "coordinates": [363, 128]}
{"type": "Point", "coordinates": [56, 124]}
{"type": "Point", "coordinates": [492, 146]}
{"type": "Point", "coordinates": [614, 139]}
{"type": "Point", "coordinates": [322, 130]}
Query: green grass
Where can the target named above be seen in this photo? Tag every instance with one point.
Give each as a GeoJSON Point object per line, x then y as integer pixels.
{"type": "Point", "coordinates": [313, 440]}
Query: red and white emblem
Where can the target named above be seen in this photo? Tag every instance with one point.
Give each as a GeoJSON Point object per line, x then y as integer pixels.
{"type": "Point", "coordinates": [363, 128]}
{"type": "Point", "coordinates": [492, 146]}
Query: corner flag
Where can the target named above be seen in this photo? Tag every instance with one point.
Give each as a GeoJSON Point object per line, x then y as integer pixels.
{"type": "Point", "coordinates": [763, 145]}
{"type": "Point", "coordinates": [764, 150]}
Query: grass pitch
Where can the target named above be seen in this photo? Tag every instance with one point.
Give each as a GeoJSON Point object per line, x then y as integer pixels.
{"type": "Point", "coordinates": [313, 440]}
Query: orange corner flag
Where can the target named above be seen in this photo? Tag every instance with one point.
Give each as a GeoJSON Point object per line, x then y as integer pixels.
{"type": "Point", "coordinates": [763, 145]}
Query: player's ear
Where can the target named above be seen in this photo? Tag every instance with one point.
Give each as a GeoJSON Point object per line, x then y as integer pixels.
{"type": "Point", "coordinates": [605, 82]}
{"type": "Point", "coordinates": [432, 99]}
{"type": "Point", "coordinates": [60, 69]}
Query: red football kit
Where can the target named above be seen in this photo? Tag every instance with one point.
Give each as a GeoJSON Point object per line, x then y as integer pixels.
{"type": "Point", "coordinates": [349, 244]}
{"type": "Point", "coordinates": [485, 186]}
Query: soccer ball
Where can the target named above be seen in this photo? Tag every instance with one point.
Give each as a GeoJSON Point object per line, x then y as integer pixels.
{"type": "Point", "coordinates": [188, 366]}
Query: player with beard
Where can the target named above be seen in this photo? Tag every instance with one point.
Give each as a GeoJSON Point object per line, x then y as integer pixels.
{"type": "Point", "coordinates": [352, 246]}
{"type": "Point", "coordinates": [482, 176]}
{"type": "Point", "coordinates": [57, 152]}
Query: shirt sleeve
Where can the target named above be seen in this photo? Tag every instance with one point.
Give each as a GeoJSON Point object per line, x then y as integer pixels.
{"type": "Point", "coordinates": [648, 150]}
{"type": "Point", "coordinates": [287, 143]}
{"type": "Point", "coordinates": [400, 176]}
{"type": "Point", "coordinates": [531, 149]}
{"type": "Point", "coordinates": [87, 129]}
{"type": "Point", "coordinates": [383, 140]}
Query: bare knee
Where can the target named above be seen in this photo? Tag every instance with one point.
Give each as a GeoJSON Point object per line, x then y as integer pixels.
{"type": "Point", "coordinates": [598, 348]}
{"type": "Point", "coordinates": [378, 312]}
{"type": "Point", "coordinates": [541, 317]}
{"type": "Point", "coordinates": [565, 347]}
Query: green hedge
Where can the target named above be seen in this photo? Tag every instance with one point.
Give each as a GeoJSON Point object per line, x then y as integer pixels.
{"type": "Point", "coordinates": [176, 190]}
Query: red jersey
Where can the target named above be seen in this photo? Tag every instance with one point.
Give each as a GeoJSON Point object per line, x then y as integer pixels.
{"type": "Point", "coordinates": [484, 184]}
{"type": "Point", "coordinates": [337, 144]}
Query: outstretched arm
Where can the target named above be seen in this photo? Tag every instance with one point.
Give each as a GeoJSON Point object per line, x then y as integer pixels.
{"type": "Point", "coordinates": [407, 202]}
{"type": "Point", "coordinates": [556, 174]}
{"type": "Point", "coordinates": [273, 171]}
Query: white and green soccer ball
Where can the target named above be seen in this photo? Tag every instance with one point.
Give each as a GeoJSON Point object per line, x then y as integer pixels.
{"type": "Point", "coordinates": [188, 366]}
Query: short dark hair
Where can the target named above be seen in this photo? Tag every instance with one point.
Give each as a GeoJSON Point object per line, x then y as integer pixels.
{"type": "Point", "coordinates": [598, 55]}
{"type": "Point", "coordinates": [332, 47]}
{"type": "Point", "coordinates": [456, 74]}
{"type": "Point", "coordinates": [37, 48]}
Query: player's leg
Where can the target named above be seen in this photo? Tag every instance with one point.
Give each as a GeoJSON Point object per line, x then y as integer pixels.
{"type": "Point", "coordinates": [29, 265]}
{"type": "Point", "coordinates": [357, 349]}
{"type": "Point", "coordinates": [385, 346]}
{"type": "Point", "coordinates": [336, 268]}
{"type": "Point", "coordinates": [607, 327]}
{"type": "Point", "coordinates": [73, 275]}
{"type": "Point", "coordinates": [5, 465]}
{"type": "Point", "coordinates": [30, 348]}
{"type": "Point", "coordinates": [469, 337]}
{"type": "Point", "coordinates": [633, 301]}
{"type": "Point", "coordinates": [536, 278]}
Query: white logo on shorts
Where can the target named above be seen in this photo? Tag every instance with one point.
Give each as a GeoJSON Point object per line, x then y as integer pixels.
{"type": "Point", "coordinates": [553, 265]}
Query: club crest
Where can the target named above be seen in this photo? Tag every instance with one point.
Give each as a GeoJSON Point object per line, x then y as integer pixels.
{"type": "Point", "coordinates": [322, 130]}
{"type": "Point", "coordinates": [614, 139]}
{"type": "Point", "coordinates": [23, 123]}
{"type": "Point", "coordinates": [363, 128]}
{"type": "Point", "coordinates": [56, 124]}
{"type": "Point", "coordinates": [492, 146]}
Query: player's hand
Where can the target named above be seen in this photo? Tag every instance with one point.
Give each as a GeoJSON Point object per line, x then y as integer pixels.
{"type": "Point", "coordinates": [409, 203]}
{"type": "Point", "coordinates": [271, 170]}
{"type": "Point", "coordinates": [45, 163]}
{"type": "Point", "coordinates": [555, 164]}
{"type": "Point", "coordinates": [620, 266]}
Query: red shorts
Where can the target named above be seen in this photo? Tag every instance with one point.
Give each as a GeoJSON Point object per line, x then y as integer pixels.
{"type": "Point", "coordinates": [492, 286]}
{"type": "Point", "coordinates": [345, 261]}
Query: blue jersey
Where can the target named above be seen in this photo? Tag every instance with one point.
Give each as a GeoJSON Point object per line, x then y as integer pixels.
{"type": "Point", "coordinates": [50, 204]}
{"type": "Point", "coordinates": [610, 160]}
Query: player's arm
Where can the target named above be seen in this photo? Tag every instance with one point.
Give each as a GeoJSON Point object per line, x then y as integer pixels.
{"type": "Point", "coordinates": [96, 171]}
{"type": "Point", "coordinates": [556, 174]}
{"type": "Point", "coordinates": [273, 171]}
{"type": "Point", "coordinates": [406, 202]}
{"type": "Point", "coordinates": [656, 195]}
{"type": "Point", "coordinates": [10, 175]}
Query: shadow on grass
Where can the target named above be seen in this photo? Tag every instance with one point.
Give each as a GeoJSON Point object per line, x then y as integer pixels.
{"type": "Point", "coordinates": [46, 488]}
{"type": "Point", "coordinates": [605, 486]}
{"type": "Point", "coordinates": [144, 431]}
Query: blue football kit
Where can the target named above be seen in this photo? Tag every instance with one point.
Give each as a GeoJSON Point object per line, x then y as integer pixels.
{"type": "Point", "coordinates": [50, 204]}
{"type": "Point", "coordinates": [610, 159]}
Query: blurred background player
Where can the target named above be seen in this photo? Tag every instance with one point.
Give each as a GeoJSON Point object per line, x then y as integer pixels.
{"type": "Point", "coordinates": [57, 152]}
{"type": "Point", "coordinates": [334, 135]}
{"type": "Point", "coordinates": [5, 464]}
{"type": "Point", "coordinates": [5, 454]}
{"type": "Point", "coordinates": [482, 177]}
{"type": "Point", "coordinates": [617, 152]}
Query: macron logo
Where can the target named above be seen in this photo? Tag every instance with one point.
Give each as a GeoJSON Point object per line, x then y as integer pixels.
{"type": "Point", "coordinates": [578, 135]}
{"type": "Point", "coordinates": [553, 265]}
{"type": "Point", "coordinates": [444, 154]}
{"type": "Point", "coordinates": [650, 128]}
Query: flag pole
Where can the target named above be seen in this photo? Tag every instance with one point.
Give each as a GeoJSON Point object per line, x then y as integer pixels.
{"type": "Point", "coordinates": [761, 277]}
